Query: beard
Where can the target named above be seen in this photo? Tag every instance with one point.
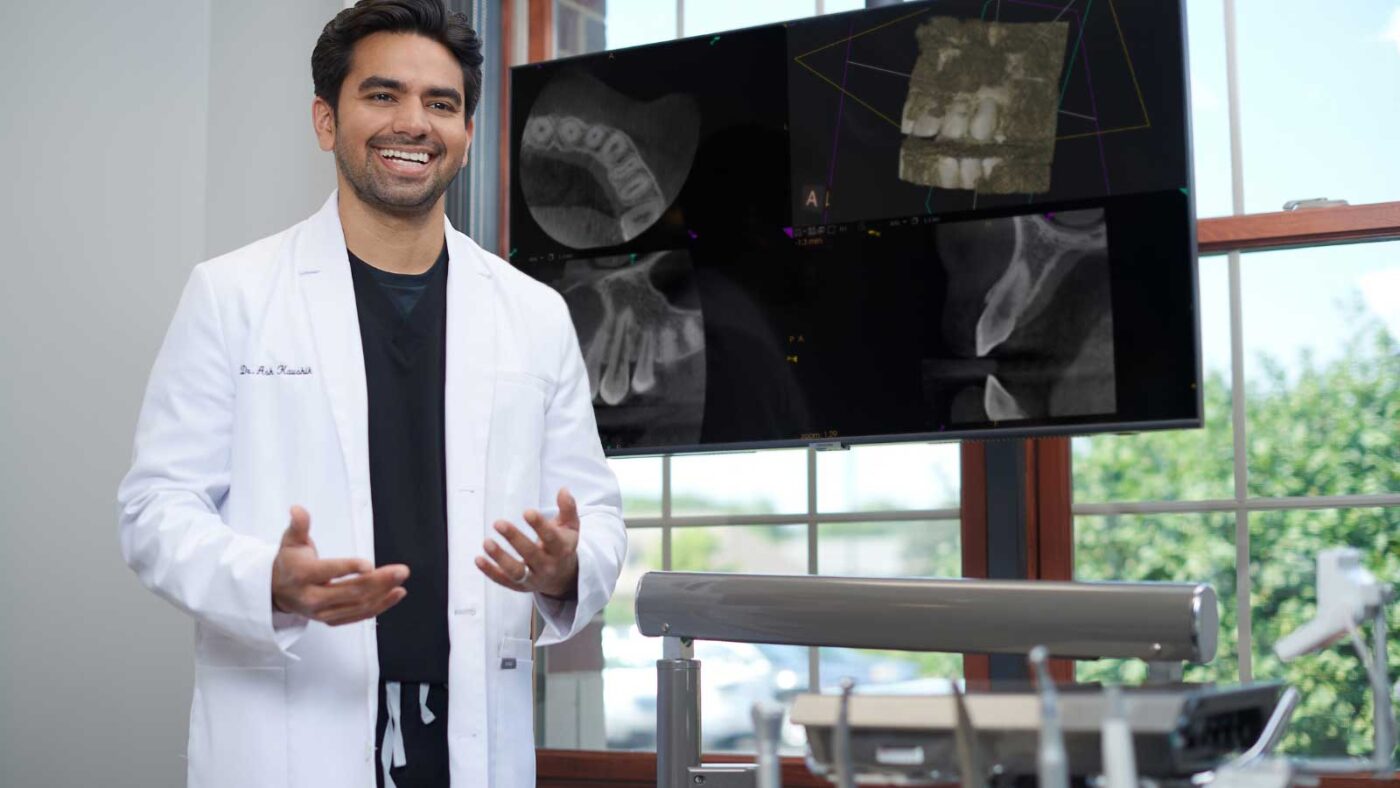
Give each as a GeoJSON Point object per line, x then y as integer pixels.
{"type": "Point", "coordinates": [385, 192]}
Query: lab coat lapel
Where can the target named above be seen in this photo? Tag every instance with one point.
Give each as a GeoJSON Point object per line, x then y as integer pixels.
{"type": "Point", "coordinates": [469, 385]}
{"type": "Point", "coordinates": [323, 272]}
{"type": "Point", "coordinates": [471, 366]}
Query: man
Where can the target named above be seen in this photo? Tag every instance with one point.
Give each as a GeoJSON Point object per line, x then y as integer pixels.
{"type": "Point", "coordinates": [375, 370]}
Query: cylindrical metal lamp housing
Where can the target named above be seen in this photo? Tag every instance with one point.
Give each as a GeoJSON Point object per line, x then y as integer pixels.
{"type": "Point", "coordinates": [1151, 621]}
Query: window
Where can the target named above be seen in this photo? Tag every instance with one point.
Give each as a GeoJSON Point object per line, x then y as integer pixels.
{"type": "Point", "coordinates": [759, 512]}
{"type": "Point", "coordinates": [1300, 449]}
{"type": "Point", "coordinates": [879, 510]}
{"type": "Point", "coordinates": [1320, 468]}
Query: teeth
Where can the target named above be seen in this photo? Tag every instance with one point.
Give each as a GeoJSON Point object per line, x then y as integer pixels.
{"type": "Point", "coordinates": [669, 342]}
{"type": "Point", "coordinates": [613, 387]}
{"type": "Point", "coordinates": [948, 172]}
{"type": "Point", "coordinates": [970, 170]}
{"type": "Point", "coordinates": [985, 121]}
{"type": "Point", "coordinates": [644, 377]}
{"type": "Point", "coordinates": [421, 158]}
{"type": "Point", "coordinates": [927, 126]}
{"type": "Point", "coordinates": [634, 190]}
{"type": "Point", "coordinates": [614, 149]}
{"type": "Point", "coordinates": [638, 219]}
{"type": "Point", "coordinates": [631, 179]}
{"type": "Point", "coordinates": [539, 132]}
{"type": "Point", "coordinates": [955, 125]}
{"type": "Point", "coordinates": [1004, 303]}
{"type": "Point", "coordinates": [999, 403]}
{"type": "Point", "coordinates": [625, 169]}
{"type": "Point", "coordinates": [570, 132]}
{"type": "Point", "coordinates": [639, 336]}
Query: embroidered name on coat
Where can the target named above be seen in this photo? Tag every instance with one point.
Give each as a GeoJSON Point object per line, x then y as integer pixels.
{"type": "Point", "coordinates": [273, 369]}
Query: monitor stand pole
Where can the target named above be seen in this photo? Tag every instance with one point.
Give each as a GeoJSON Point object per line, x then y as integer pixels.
{"type": "Point", "coordinates": [1005, 472]}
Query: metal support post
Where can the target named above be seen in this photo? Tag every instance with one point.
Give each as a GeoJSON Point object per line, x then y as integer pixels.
{"type": "Point", "coordinates": [677, 713]}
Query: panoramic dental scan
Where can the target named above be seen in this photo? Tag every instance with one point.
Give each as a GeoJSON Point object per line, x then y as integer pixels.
{"type": "Point", "coordinates": [1029, 314]}
{"type": "Point", "coordinates": [598, 168]}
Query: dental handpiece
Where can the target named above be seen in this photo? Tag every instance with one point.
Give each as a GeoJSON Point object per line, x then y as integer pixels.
{"type": "Point", "coordinates": [1052, 762]}
{"type": "Point", "coordinates": [768, 729]}
{"type": "Point", "coordinates": [1116, 741]}
{"type": "Point", "coordinates": [845, 769]}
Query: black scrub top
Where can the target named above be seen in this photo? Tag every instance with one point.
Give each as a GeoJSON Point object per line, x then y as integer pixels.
{"type": "Point", "coordinates": [403, 322]}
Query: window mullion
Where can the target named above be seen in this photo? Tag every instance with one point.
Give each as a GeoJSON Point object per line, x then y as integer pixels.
{"type": "Point", "coordinates": [1243, 582]}
{"type": "Point", "coordinates": [814, 678]}
{"type": "Point", "coordinates": [666, 512]}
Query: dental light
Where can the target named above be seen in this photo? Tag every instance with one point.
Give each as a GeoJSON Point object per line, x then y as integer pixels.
{"type": "Point", "coordinates": [1347, 595]}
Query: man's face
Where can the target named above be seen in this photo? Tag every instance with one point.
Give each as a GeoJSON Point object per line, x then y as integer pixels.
{"type": "Point", "coordinates": [401, 103]}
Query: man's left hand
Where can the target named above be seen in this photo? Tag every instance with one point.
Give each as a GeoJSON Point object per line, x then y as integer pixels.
{"type": "Point", "coordinates": [550, 566]}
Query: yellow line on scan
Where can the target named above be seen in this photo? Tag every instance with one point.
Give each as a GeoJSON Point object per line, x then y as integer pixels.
{"type": "Point", "coordinates": [1142, 103]}
{"type": "Point", "coordinates": [1138, 127]}
{"type": "Point", "coordinates": [852, 96]}
{"type": "Point", "coordinates": [1146, 119]}
{"type": "Point", "coordinates": [861, 33]}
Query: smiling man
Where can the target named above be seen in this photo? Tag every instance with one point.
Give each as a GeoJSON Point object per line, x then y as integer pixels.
{"type": "Point", "coordinates": [374, 369]}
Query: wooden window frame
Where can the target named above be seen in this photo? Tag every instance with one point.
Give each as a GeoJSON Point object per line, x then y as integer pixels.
{"type": "Point", "coordinates": [1049, 522]}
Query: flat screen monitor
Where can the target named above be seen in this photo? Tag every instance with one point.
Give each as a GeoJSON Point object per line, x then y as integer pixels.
{"type": "Point", "coordinates": [928, 221]}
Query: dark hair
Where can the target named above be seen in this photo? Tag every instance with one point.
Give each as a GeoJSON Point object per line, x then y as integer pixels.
{"type": "Point", "coordinates": [330, 60]}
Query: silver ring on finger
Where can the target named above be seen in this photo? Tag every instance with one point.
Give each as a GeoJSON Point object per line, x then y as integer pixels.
{"type": "Point", "coordinates": [524, 578]}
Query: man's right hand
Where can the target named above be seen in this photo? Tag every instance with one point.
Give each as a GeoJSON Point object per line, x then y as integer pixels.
{"type": "Point", "coordinates": [324, 589]}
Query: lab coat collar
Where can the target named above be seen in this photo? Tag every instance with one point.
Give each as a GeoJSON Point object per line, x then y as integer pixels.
{"type": "Point", "coordinates": [323, 245]}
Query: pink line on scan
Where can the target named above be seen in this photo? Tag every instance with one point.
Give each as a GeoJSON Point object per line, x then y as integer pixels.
{"type": "Point", "coordinates": [836, 137]}
{"type": "Point", "coordinates": [1094, 103]}
{"type": "Point", "coordinates": [1088, 78]}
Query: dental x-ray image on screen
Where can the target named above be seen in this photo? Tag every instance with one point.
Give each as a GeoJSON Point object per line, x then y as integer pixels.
{"type": "Point", "coordinates": [1028, 317]}
{"type": "Point", "coordinates": [980, 113]}
{"type": "Point", "coordinates": [643, 339]}
{"type": "Point", "coordinates": [598, 168]}
{"type": "Point", "coordinates": [933, 220]}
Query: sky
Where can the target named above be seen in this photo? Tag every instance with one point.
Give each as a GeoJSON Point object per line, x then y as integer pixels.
{"type": "Point", "coordinates": [1320, 117]}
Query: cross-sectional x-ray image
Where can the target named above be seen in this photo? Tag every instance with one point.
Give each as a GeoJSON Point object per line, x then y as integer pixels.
{"type": "Point", "coordinates": [982, 103]}
{"type": "Point", "coordinates": [1027, 317]}
{"type": "Point", "coordinates": [598, 168]}
{"type": "Point", "coordinates": [642, 333]}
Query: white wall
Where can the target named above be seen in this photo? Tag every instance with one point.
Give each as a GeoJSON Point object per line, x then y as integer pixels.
{"type": "Point", "coordinates": [265, 170]}
{"type": "Point", "coordinates": [139, 137]}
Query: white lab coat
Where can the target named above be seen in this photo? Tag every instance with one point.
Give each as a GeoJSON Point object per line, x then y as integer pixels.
{"type": "Point", "coordinates": [256, 402]}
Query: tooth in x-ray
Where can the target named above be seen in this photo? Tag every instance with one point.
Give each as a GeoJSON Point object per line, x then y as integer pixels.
{"type": "Point", "coordinates": [1043, 254]}
{"type": "Point", "coordinates": [1026, 330]}
{"type": "Point", "coordinates": [636, 341]}
{"type": "Point", "coordinates": [598, 168]}
{"type": "Point", "coordinates": [999, 403]}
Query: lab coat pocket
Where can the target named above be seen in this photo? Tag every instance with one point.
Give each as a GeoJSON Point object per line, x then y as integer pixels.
{"type": "Point", "coordinates": [518, 419]}
{"type": "Point", "coordinates": [526, 379]}
{"type": "Point", "coordinates": [515, 710]}
{"type": "Point", "coordinates": [238, 727]}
